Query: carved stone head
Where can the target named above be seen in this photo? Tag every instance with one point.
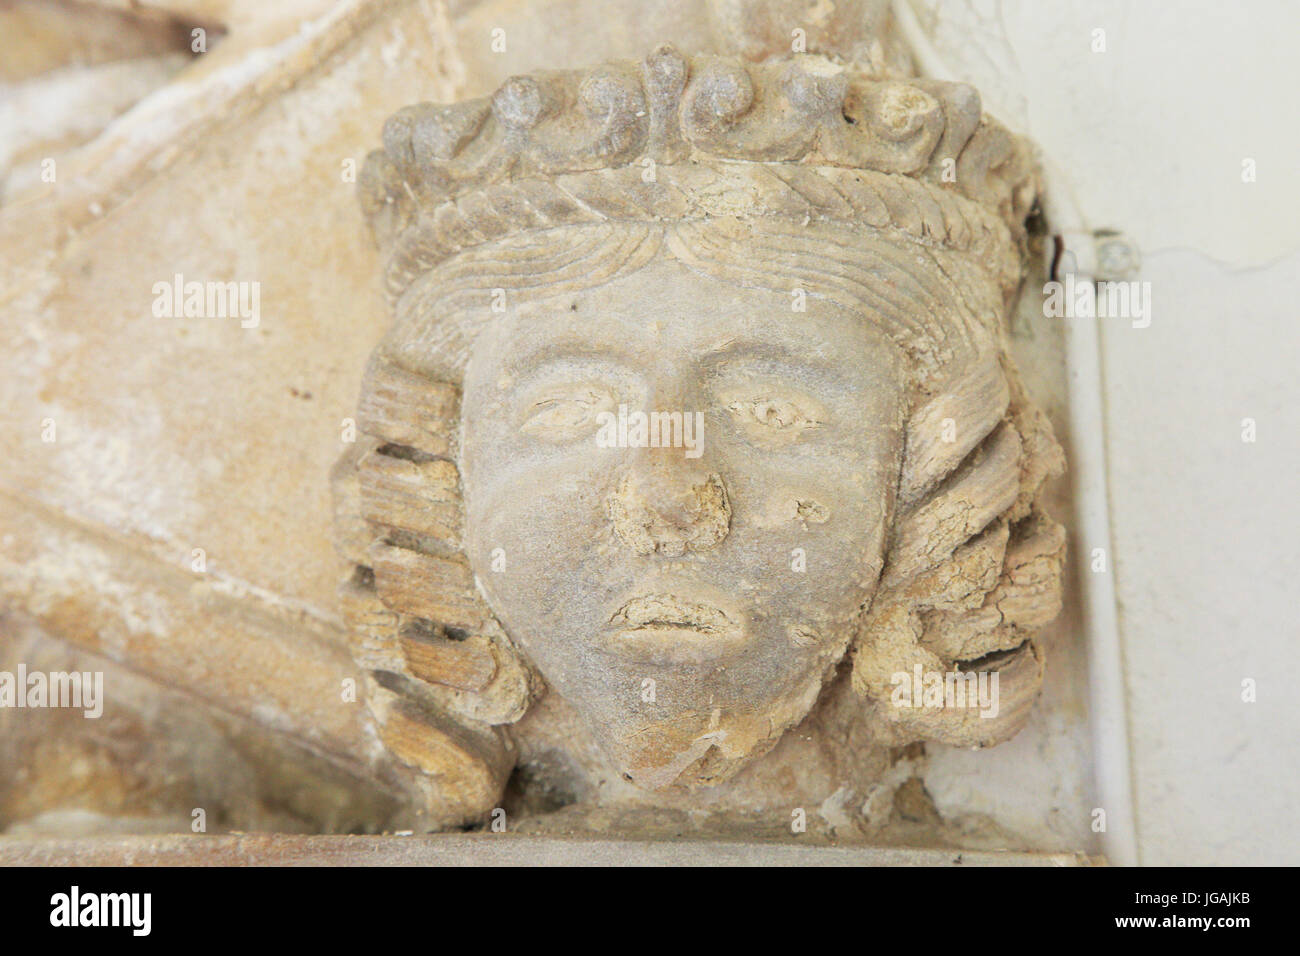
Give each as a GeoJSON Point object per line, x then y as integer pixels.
{"type": "Point", "coordinates": [696, 391]}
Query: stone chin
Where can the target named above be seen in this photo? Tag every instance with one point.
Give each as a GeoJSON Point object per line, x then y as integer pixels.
{"type": "Point", "coordinates": [704, 749]}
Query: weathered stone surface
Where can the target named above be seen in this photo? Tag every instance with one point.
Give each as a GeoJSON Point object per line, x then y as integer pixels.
{"type": "Point", "coordinates": [180, 522]}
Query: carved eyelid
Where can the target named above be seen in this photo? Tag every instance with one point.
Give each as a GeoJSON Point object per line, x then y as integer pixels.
{"type": "Point", "coordinates": [563, 410]}
{"type": "Point", "coordinates": [777, 408]}
{"type": "Point", "coordinates": [774, 412]}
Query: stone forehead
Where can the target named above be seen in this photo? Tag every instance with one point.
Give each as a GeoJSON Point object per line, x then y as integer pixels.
{"type": "Point", "coordinates": [940, 307]}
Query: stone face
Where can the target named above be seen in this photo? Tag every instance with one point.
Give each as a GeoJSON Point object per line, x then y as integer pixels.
{"type": "Point", "coordinates": [701, 600]}
{"type": "Point", "coordinates": [721, 434]}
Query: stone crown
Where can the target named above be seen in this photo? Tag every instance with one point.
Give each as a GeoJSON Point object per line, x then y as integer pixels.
{"type": "Point", "coordinates": [447, 174]}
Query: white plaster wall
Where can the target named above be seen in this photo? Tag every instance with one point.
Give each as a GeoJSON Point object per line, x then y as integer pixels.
{"type": "Point", "coordinates": [1152, 134]}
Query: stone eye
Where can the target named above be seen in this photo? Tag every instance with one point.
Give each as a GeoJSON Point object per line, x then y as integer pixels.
{"type": "Point", "coordinates": [565, 413]}
{"type": "Point", "coordinates": [774, 414]}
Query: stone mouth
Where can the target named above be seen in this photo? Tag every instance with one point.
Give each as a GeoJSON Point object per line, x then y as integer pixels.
{"type": "Point", "coordinates": [666, 628]}
{"type": "Point", "coordinates": [657, 611]}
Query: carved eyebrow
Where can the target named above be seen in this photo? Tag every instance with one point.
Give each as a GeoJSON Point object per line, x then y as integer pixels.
{"type": "Point", "coordinates": [549, 350]}
{"type": "Point", "coordinates": [776, 357]}
{"type": "Point", "coordinates": [557, 356]}
{"type": "Point", "coordinates": [767, 349]}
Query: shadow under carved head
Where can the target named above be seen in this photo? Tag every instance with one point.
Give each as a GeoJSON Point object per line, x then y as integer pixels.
{"type": "Point", "coordinates": [696, 382]}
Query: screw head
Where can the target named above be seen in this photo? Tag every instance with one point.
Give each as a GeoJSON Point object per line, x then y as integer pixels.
{"type": "Point", "coordinates": [1117, 257]}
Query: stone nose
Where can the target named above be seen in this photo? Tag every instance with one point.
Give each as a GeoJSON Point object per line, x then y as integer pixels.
{"type": "Point", "coordinates": [668, 506]}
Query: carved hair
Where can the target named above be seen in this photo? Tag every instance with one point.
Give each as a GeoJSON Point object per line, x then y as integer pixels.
{"type": "Point", "coordinates": [795, 164]}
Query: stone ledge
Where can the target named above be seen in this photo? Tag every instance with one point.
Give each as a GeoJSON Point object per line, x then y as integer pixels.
{"type": "Point", "coordinates": [483, 849]}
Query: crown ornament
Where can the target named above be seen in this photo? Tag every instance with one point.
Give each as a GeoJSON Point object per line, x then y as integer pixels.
{"type": "Point", "coordinates": [801, 137]}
